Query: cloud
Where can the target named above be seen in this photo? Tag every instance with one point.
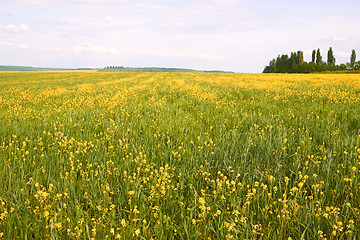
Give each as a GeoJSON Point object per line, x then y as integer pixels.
{"type": "Point", "coordinates": [61, 21]}
{"type": "Point", "coordinates": [228, 2]}
{"type": "Point", "coordinates": [64, 24]}
{"type": "Point", "coordinates": [342, 54]}
{"type": "Point", "coordinates": [340, 39]}
{"type": "Point", "coordinates": [40, 3]}
{"type": "Point", "coordinates": [16, 28]}
{"type": "Point", "coordinates": [175, 54]}
{"type": "Point", "coordinates": [91, 48]}
{"type": "Point", "coordinates": [44, 3]}
{"type": "Point", "coordinates": [109, 19]}
{"type": "Point", "coordinates": [149, 7]}
{"type": "Point", "coordinates": [13, 43]}
{"type": "Point", "coordinates": [212, 57]}
{"type": "Point", "coordinates": [96, 1]}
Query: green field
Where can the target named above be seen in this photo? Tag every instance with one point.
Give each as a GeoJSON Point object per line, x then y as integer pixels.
{"type": "Point", "coordinates": [103, 155]}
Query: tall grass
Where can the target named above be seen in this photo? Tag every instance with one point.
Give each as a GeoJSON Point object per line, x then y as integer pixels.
{"type": "Point", "coordinates": [179, 156]}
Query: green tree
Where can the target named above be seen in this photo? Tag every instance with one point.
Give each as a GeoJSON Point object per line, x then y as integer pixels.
{"type": "Point", "coordinates": [293, 62]}
{"type": "Point", "coordinates": [318, 57]}
{"type": "Point", "coordinates": [353, 58]}
{"type": "Point", "coordinates": [300, 56]}
{"type": "Point", "coordinates": [273, 65]}
{"type": "Point", "coordinates": [271, 68]}
{"type": "Point", "coordinates": [357, 65]}
{"type": "Point", "coordinates": [313, 56]}
{"type": "Point", "coordinates": [330, 58]}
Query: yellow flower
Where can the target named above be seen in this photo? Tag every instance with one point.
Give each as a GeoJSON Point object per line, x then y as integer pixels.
{"type": "Point", "coordinates": [218, 212]}
{"type": "Point", "coordinates": [123, 222]}
{"type": "Point", "coordinates": [271, 178]}
{"type": "Point", "coordinates": [46, 213]}
{"type": "Point", "coordinates": [286, 179]}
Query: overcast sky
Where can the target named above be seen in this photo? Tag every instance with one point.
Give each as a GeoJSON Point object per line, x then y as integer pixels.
{"type": "Point", "coordinates": [233, 35]}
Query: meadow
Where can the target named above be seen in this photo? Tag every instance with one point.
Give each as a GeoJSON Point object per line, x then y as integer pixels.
{"type": "Point", "coordinates": [105, 155]}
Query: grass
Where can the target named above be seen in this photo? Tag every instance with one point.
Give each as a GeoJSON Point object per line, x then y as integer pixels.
{"type": "Point", "coordinates": [179, 156]}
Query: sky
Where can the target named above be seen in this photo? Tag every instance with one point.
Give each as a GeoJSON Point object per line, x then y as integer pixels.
{"type": "Point", "coordinates": [230, 35]}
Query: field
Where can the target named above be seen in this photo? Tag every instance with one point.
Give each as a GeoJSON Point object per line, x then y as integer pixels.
{"type": "Point", "coordinates": [87, 155]}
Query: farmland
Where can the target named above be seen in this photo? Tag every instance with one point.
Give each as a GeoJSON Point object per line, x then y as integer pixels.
{"type": "Point", "coordinates": [102, 155]}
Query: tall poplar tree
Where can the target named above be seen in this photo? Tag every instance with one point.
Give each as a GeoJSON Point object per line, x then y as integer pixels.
{"type": "Point", "coordinates": [318, 57]}
{"type": "Point", "coordinates": [330, 58]}
{"type": "Point", "coordinates": [300, 55]}
{"type": "Point", "coordinates": [313, 56]}
{"type": "Point", "coordinates": [353, 58]}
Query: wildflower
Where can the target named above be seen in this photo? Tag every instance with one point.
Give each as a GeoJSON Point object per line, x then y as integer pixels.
{"type": "Point", "coordinates": [286, 179]}
{"type": "Point", "coordinates": [218, 212]}
{"type": "Point", "coordinates": [57, 225]}
{"type": "Point", "coordinates": [46, 213]}
{"type": "Point", "coordinates": [136, 211]}
{"type": "Point", "coordinates": [123, 222]}
{"type": "Point", "coordinates": [51, 186]}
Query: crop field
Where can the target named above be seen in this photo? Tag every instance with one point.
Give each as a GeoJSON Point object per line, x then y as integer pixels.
{"type": "Point", "coordinates": [96, 155]}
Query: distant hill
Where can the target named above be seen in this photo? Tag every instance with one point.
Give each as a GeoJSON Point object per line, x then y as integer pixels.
{"type": "Point", "coordinates": [152, 69]}
{"type": "Point", "coordinates": [28, 68]}
{"type": "Point", "coordinates": [106, 69]}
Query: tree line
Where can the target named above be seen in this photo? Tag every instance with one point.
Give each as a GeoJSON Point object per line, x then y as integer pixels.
{"type": "Point", "coordinates": [296, 64]}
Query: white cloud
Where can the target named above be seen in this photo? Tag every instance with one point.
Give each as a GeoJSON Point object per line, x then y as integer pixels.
{"type": "Point", "coordinates": [91, 48]}
{"type": "Point", "coordinates": [228, 2]}
{"type": "Point", "coordinates": [340, 39]}
{"type": "Point", "coordinates": [41, 3]}
{"type": "Point", "coordinates": [108, 18]}
{"type": "Point", "coordinates": [341, 54]}
{"type": "Point", "coordinates": [57, 49]}
{"type": "Point", "coordinates": [148, 6]}
{"type": "Point", "coordinates": [13, 43]}
{"type": "Point", "coordinates": [17, 28]}
{"type": "Point", "coordinates": [61, 21]}
{"type": "Point", "coordinates": [64, 24]}
{"type": "Point", "coordinates": [97, 1]}
{"type": "Point", "coordinates": [212, 57]}
{"type": "Point", "coordinates": [175, 53]}
{"type": "Point", "coordinates": [44, 3]}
